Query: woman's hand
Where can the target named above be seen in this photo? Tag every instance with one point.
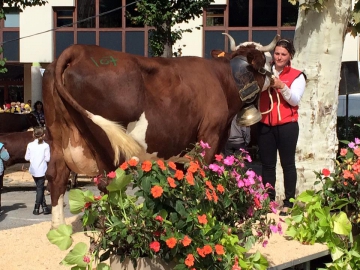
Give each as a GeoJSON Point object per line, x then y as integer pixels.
{"type": "Point", "coordinates": [277, 83]}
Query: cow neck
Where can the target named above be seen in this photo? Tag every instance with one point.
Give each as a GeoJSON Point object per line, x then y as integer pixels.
{"type": "Point", "coordinates": [244, 78]}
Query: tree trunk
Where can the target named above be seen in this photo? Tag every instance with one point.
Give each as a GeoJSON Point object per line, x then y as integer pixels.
{"type": "Point", "coordinates": [168, 43]}
{"type": "Point", "coordinates": [319, 41]}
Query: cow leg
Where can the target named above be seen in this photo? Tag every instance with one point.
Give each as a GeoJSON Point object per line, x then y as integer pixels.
{"type": "Point", "coordinates": [58, 175]}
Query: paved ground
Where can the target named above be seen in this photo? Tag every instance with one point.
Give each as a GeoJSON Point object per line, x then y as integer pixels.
{"type": "Point", "coordinates": [17, 204]}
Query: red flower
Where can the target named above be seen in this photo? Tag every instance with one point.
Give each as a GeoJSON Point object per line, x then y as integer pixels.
{"type": "Point", "coordinates": [156, 191]}
{"type": "Point", "coordinates": [111, 174]}
{"type": "Point", "coordinates": [171, 182]}
{"type": "Point", "coordinates": [171, 242]}
{"type": "Point", "coordinates": [218, 157]}
{"type": "Point", "coordinates": [189, 261]}
{"type": "Point", "coordinates": [146, 166]}
{"type": "Point", "coordinates": [87, 205]}
{"type": "Point", "coordinates": [257, 203]}
{"type": "Point", "coordinates": [159, 218]}
{"type": "Point", "coordinates": [124, 166]}
{"type": "Point", "coordinates": [161, 164]}
{"type": "Point", "coordinates": [186, 241]}
{"type": "Point", "coordinates": [220, 188]}
{"type": "Point", "coordinates": [86, 259]}
{"type": "Point", "coordinates": [133, 162]}
{"type": "Point", "coordinates": [97, 198]}
{"type": "Point", "coordinates": [155, 246]}
{"type": "Point", "coordinates": [202, 219]}
{"type": "Point", "coordinates": [343, 152]}
{"type": "Point", "coordinates": [326, 172]}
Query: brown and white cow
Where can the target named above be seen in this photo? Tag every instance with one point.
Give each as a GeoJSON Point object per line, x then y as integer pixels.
{"type": "Point", "coordinates": [102, 107]}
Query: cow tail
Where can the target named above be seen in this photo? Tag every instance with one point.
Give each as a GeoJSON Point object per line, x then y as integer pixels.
{"type": "Point", "coordinates": [121, 142]}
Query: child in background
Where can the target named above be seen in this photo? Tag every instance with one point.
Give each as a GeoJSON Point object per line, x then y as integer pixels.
{"type": "Point", "coordinates": [38, 153]}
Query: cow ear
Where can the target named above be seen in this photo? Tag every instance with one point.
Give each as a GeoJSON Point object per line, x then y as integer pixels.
{"type": "Point", "coordinates": [256, 59]}
{"type": "Point", "coordinates": [219, 53]}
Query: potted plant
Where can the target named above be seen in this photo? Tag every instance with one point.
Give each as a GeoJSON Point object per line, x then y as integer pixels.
{"type": "Point", "coordinates": [331, 215]}
{"type": "Point", "coordinates": [199, 216]}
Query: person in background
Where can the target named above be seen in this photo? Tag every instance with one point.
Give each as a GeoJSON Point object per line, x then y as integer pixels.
{"type": "Point", "coordinates": [7, 106]}
{"type": "Point", "coordinates": [38, 153]}
{"type": "Point", "coordinates": [39, 113]}
{"type": "Point", "coordinates": [278, 129]}
{"type": "Point", "coordinates": [27, 106]}
{"type": "Point", "coordinates": [239, 137]}
{"type": "Point", "coordinates": [4, 156]}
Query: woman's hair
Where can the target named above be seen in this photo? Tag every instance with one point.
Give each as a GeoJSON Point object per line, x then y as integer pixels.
{"type": "Point", "coordinates": [36, 103]}
{"type": "Point", "coordinates": [288, 45]}
{"type": "Point", "coordinates": [39, 134]}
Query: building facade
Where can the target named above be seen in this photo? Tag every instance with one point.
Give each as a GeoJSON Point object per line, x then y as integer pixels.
{"type": "Point", "coordinates": [40, 34]}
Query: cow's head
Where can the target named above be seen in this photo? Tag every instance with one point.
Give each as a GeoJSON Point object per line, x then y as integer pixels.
{"type": "Point", "coordinates": [250, 64]}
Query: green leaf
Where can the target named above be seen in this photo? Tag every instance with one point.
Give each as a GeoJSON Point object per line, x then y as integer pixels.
{"type": "Point", "coordinates": [179, 207]}
{"type": "Point", "coordinates": [129, 239]}
{"type": "Point", "coordinates": [120, 182]}
{"type": "Point", "coordinates": [103, 266]}
{"type": "Point", "coordinates": [336, 253]}
{"type": "Point", "coordinates": [76, 255]}
{"type": "Point", "coordinates": [342, 224]}
{"type": "Point", "coordinates": [76, 201]}
{"type": "Point", "coordinates": [61, 236]}
{"type": "Point", "coordinates": [306, 196]}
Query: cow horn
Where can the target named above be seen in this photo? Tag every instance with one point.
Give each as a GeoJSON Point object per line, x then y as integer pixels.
{"type": "Point", "coordinates": [271, 46]}
{"type": "Point", "coordinates": [232, 42]}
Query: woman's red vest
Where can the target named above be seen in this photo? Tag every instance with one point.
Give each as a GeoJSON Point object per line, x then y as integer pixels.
{"type": "Point", "coordinates": [288, 113]}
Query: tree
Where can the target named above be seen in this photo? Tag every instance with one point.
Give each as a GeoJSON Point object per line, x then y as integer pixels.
{"type": "Point", "coordinates": [319, 41]}
{"type": "Point", "coordinates": [163, 15]}
{"type": "Point", "coordinates": [18, 5]}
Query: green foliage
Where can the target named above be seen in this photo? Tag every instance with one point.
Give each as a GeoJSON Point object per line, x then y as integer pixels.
{"type": "Point", "coordinates": [191, 217]}
{"type": "Point", "coordinates": [163, 15]}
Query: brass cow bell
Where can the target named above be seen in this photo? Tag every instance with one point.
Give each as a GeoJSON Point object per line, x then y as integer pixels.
{"type": "Point", "coordinates": [248, 116]}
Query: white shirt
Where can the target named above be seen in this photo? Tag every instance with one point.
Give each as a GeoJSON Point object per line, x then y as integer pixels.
{"type": "Point", "coordinates": [293, 94]}
{"type": "Point", "coordinates": [38, 155]}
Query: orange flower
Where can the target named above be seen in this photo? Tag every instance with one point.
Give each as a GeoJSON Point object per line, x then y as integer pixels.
{"type": "Point", "coordinates": [202, 173]}
{"type": "Point", "coordinates": [146, 166]}
{"type": "Point", "coordinates": [345, 183]}
{"type": "Point", "coordinates": [348, 174]}
{"type": "Point", "coordinates": [186, 241]}
{"type": "Point", "coordinates": [171, 182]}
{"type": "Point", "coordinates": [193, 167]}
{"type": "Point", "coordinates": [190, 178]}
{"type": "Point", "coordinates": [207, 249]}
{"type": "Point", "coordinates": [220, 188]}
{"type": "Point", "coordinates": [189, 261]}
{"type": "Point", "coordinates": [200, 251]}
{"type": "Point", "coordinates": [161, 164]}
{"type": "Point", "coordinates": [156, 191]}
{"type": "Point", "coordinates": [215, 197]}
{"type": "Point", "coordinates": [202, 219]}
{"type": "Point", "coordinates": [208, 195]}
{"type": "Point", "coordinates": [209, 184]}
{"type": "Point", "coordinates": [171, 242]}
{"type": "Point", "coordinates": [219, 249]}
{"type": "Point", "coordinates": [357, 151]}
{"type": "Point", "coordinates": [343, 151]}
{"type": "Point", "coordinates": [172, 165]}
{"type": "Point", "coordinates": [133, 162]}
{"type": "Point", "coordinates": [179, 174]}
{"type": "Point", "coordinates": [124, 166]}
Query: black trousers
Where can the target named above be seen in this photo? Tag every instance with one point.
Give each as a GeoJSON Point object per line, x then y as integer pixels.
{"type": "Point", "coordinates": [281, 138]}
{"type": "Point", "coordinates": [40, 187]}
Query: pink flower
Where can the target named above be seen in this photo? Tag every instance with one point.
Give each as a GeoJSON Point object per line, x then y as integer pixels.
{"type": "Point", "coordinates": [240, 183]}
{"type": "Point", "coordinates": [97, 179]}
{"type": "Point", "coordinates": [204, 145]}
{"type": "Point", "coordinates": [343, 152]}
{"type": "Point", "coordinates": [273, 206]}
{"type": "Point", "coordinates": [279, 228]}
{"type": "Point", "coordinates": [111, 174]}
{"type": "Point", "coordinates": [86, 259]}
{"type": "Point", "coordinates": [159, 218]}
{"type": "Point", "coordinates": [155, 246]}
{"type": "Point", "coordinates": [326, 172]}
{"type": "Point", "coordinates": [357, 140]}
{"type": "Point", "coordinates": [264, 244]}
{"type": "Point", "coordinates": [248, 157]}
{"type": "Point", "coordinates": [274, 228]}
{"type": "Point", "coordinates": [351, 145]}
{"type": "Point", "coordinates": [229, 160]}
{"type": "Point", "coordinates": [97, 198]}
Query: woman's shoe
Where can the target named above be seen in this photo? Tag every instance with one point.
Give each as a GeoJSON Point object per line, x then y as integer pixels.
{"type": "Point", "coordinates": [36, 209]}
{"type": "Point", "coordinates": [285, 211]}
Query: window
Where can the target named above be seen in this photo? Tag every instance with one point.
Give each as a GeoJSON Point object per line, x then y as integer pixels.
{"type": "Point", "coordinates": [215, 16]}
{"type": "Point", "coordinates": [12, 19]}
{"type": "Point", "coordinates": [131, 10]}
{"type": "Point", "coordinates": [265, 12]}
{"type": "Point", "coordinates": [289, 13]}
{"type": "Point", "coordinates": [112, 19]}
{"type": "Point", "coordinates": [85, 10]}
{"type": "Point", "coordinates": [11, 49]}
{"type": "Point", "coordinates": [238, 13]}
{"type": "Point", "coordinates": [64, 17]}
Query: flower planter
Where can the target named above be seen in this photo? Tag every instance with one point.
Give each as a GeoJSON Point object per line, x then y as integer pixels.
{"type": "Point", "coordinates": [143, 264]}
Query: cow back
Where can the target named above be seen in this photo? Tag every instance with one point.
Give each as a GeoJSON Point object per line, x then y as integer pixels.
{"type": "Point", "coordinates": [10, 122]}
